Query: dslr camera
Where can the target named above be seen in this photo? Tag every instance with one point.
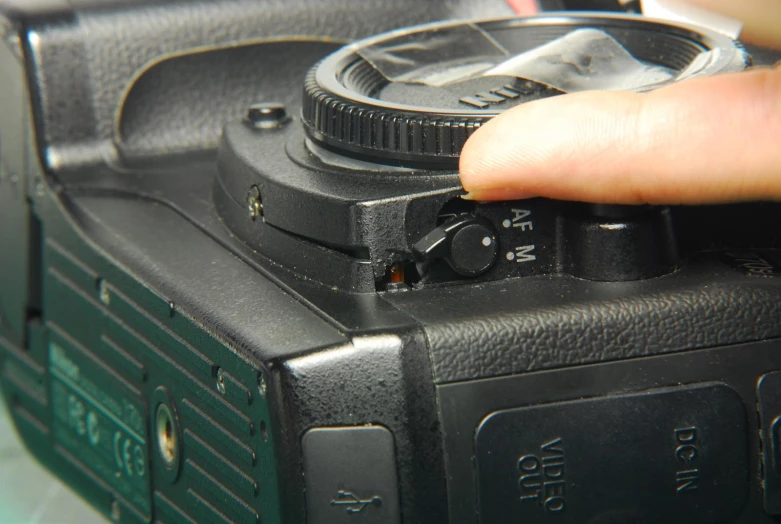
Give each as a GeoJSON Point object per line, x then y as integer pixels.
{"type": "Point", "coordinates": [239, 282]}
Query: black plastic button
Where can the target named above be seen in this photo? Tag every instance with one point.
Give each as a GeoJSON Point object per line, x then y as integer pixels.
{"type": "Point", "coordinates": [350, 475]}
{"type": "Point", "coordinates": [673, 455]}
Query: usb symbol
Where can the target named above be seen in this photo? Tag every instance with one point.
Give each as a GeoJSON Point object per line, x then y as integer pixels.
{"type": "Point", "coordinates": [354, 504]}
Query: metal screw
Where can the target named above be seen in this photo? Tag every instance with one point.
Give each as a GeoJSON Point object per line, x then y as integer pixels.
{"type": "Point", "coordinates": [116, 511]}
{"type": "Point", "coordinates": [262, 387]}
{"type": "Point", "coordinates": [221, 381]}
{"type": "Point", "coordinates": [267, 116]}
{"type": "Point", "coordinates": [254, 203]}
{"type": "Point", "coordinates": [103, 292]}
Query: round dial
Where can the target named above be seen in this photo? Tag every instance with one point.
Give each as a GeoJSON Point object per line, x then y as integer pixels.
{"type": "Point", "coordinates": [412, 97]}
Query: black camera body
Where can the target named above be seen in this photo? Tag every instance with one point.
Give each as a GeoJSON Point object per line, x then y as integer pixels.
{"type": "Point", "coordinates": [220, 303]}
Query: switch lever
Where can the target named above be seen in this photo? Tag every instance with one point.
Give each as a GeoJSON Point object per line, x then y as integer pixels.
{"type": "Point", "coordinates": [466, 242]}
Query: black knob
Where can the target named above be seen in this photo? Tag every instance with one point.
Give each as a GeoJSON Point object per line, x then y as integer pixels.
{"type": "Point", "coordinates": [466, 242]}
{"type": "Point", "coordinates": [617, 244]}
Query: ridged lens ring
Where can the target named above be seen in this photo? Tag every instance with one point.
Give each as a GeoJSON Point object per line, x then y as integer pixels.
{"type": "Point", "coordinates": [412, 97]}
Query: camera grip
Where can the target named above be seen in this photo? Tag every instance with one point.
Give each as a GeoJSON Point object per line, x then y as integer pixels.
{"type": "Point", "coordinates": [84, 61]}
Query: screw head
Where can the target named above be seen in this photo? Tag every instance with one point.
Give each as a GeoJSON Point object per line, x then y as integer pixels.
{"type": "Point", "coordinates": [103, 293]}
{"type": "Point", "coordinates": [221, 381]}
{"type": "Point", "coordinates": [267, 115]}
{"type": "Point", "coordinates": [254, 203]}
{"type": "Point", "coordinates": [262, 386]}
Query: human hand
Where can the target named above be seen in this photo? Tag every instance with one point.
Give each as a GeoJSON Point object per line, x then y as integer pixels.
{"type": "Point", "coordinates": [704, 140]}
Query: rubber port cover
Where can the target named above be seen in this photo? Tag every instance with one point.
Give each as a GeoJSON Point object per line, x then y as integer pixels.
{"type": "Point", "coordinates": [666, 455]}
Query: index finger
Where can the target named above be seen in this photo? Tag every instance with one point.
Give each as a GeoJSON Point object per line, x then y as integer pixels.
{"type": "Point", "coordinates": [705, 140]}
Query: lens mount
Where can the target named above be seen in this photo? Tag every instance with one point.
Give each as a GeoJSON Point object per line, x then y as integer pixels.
{"type": "Point", "coordinates": [413, 97]}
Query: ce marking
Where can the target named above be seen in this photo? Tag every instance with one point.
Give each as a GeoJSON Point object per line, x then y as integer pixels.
{"type": "Point", "coordinates": [129, 455]}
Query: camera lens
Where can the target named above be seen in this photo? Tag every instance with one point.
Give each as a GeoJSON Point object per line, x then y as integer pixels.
{"type": "Point", "coordinates": [413, 97]}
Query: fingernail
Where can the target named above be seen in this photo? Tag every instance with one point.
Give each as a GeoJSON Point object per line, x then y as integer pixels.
{"type": "Point", "coordinates": [492, 194]}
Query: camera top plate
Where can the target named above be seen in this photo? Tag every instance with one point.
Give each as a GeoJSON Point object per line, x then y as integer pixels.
{"type": "Point", "coordinates": [412, 97]}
